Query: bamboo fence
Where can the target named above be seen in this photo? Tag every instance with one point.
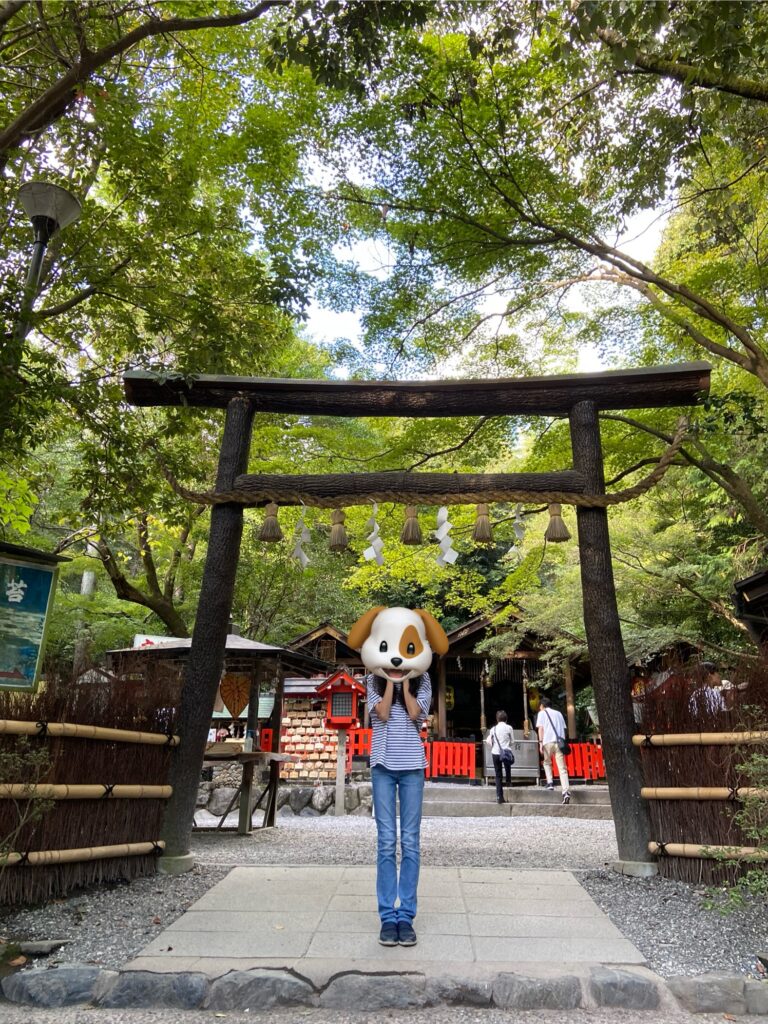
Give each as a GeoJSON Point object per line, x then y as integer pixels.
{"type": "Point", "coordinates": [61, 827]}
{"type": "Point", "coordinates": [693, 760]}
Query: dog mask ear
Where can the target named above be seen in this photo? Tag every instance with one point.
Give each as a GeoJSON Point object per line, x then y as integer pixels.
{"type": "Point", "coordinates": [438, 641]}
{"type": "Point", "coordinates": [362, 628]}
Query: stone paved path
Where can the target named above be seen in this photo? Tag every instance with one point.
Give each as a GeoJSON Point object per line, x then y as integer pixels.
{"type": "Point", "coordinates": [320, 920]}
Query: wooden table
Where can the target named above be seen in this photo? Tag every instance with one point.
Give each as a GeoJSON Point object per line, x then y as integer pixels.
{"type": "Point", "coordinates": [249, 759]}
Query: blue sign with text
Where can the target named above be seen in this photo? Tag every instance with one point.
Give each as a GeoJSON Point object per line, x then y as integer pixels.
{"type": "Point", "coordinates": [26, 593]}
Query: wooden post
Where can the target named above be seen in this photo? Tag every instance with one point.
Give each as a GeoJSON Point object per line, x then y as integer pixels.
{"type": "Point", "coordinates": [570, 707]}
{"type": "Point", "coordinates": [209, 638]}
{"type": "Point", "coordinates": [442, 718]}
{"type": "Point", "coordinates": [274, 767]}
{"type": "Point", "coordinates": [610, 674]}
{"type": "Point", "coordinates": [245, 820]}
{"type": "Point", "coordinates": [341, 769]}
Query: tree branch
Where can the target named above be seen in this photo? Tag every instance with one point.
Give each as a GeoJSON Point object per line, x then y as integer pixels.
{"type": "Point", "coordinates": [733, 485]}
{"type": "Point", "coordinates": [688, 74]}
{"type": "Point", "coordinates": [57, 98]}
{"type": "Point", "coordinates": [639, 465]}
{"type": "Point", "coordinates": [8, 8]}
{"type": "Point", "coordinates": [453, 448]}
{"type": "Point", "coordinates": [81, 296]}
{"type": "Point", "coordinates": [126, 591]}
{"type": "Point", "coordinates": [622, 279]}
{"type": "Point", "coordinates": [147, 558]}
{"type": "Point", "coordinates": [169, 583]}
{"type": "Point", "coordinates": [716, 606]}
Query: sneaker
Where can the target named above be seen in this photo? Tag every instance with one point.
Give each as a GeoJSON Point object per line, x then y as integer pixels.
{"type": "Point", "coordinates": [566, 798]}
{"type": "Point", "coordinates": [550, 788]}
{"type": "Point", "coordinates": [388, 934]}
{"type": "Point", "coordinates": [500, 800]}
{"type": "Point", "coordinates": [405, 933]}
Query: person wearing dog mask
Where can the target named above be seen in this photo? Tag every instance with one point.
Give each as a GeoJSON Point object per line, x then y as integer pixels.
{"type": "Point", "coordinates": [396, 646]}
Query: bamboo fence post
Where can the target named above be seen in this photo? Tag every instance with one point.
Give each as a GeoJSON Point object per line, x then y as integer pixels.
{"type": "Point", "coordinates": [701, 793]}
{"type": "Point", "coordinates": [53, 791]}
{"type": "Point", "coordinates": [36, 858]}
{"type": "Point", "coordinates": [698, 850]}
{"type": "Point", "coordinates": [700, 739]}
{"type": "Point", "coordinates": [77, 730]}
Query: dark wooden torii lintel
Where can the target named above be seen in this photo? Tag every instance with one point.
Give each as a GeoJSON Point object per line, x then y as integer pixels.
{"type": "Point", "coordinates": [643, 388]}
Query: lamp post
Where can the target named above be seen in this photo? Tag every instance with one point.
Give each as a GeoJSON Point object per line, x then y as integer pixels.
{"type": "Point", "coordinates": [50, 208]}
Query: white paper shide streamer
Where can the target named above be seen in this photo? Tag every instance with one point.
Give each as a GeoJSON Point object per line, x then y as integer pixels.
{"type": "Point", "coordinates": [519, 525]}
{"type": "Point", "coordinates": [518, 528]}
{"type": "Point", "coordinates": [448, 554]}
{"type": "Point", "coordinates": [303, 536]}
{"type": "Point", "coordinates": [373, 553]}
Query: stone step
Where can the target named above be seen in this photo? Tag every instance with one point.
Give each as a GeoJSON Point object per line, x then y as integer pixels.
{"type": "Point", "coordinates": [551, 809]}
{"type": "Point", "coordinates": [513, 794]}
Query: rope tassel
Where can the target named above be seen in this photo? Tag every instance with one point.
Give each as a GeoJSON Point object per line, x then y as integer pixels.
{"type": "Point", "coordinates": [411, 532]}
{"type": "Point", "coordinates": [483, 532]}
{"type": "Point", "coordinates": [270, 529]}
{"type": "Point", "coordinates": [339, 540]}
{"type": "Point", "coordinates": [557, 531]}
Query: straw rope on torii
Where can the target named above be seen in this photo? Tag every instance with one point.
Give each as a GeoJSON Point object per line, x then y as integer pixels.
{"type": "Point", "coordinates": [333, 490]}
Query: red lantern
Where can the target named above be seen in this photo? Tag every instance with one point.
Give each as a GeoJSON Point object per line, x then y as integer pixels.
{"type": "Point", "coordinates": [342, 693]}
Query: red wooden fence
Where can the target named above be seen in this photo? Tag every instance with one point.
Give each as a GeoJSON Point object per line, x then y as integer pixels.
{"type": "Point", "coordinates": [446, 758]}
{"type": "Point", "coordinates": [453, 759]}
{"type": "Point", "coordinates": [585, 761]}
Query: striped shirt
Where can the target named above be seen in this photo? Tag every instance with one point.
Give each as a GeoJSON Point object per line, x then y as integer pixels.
{"type": "Point", "coordinates": [396, 744]}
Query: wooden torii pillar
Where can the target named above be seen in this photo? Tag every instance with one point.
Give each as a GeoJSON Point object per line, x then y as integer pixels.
{"type": "Point", "coordinates": [579, 396]}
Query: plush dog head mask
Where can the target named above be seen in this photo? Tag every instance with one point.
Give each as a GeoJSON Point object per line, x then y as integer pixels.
{"type": "Point", "coordinates": [397, 643]}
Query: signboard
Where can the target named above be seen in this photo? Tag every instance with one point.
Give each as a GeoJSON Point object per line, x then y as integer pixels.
{"type": "Point", "coordinates": [26, 595]}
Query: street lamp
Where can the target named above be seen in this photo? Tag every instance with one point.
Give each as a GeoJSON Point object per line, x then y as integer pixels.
{"type": "Point", "coordinates": [50, 208]}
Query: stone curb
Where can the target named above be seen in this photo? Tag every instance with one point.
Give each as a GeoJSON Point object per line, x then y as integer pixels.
{"type": "Point", "coordinates": [263, 989]}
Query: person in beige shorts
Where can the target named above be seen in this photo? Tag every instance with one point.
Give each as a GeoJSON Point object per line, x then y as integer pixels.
{"type": "Point", "coordinates": [550, 725]}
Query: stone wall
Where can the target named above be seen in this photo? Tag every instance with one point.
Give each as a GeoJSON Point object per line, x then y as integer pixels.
{"type": "Point", "coordinates": [292, 798]}
{"type": "Point", "coordinates": [312, 801]}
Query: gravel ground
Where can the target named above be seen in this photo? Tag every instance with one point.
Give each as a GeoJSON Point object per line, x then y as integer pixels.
{"type": "Point", "coordinates": [110, 924]}
{"type": "Point", "coordinates": [666, 920]}
{"type": "Point", "coordinates": [434, 1015]}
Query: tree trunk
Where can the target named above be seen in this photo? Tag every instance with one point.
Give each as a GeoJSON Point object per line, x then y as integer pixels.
{"type": "Point", "coordinates": [209, 637]}
{"type": "Point", "coordinates": [608, 662]}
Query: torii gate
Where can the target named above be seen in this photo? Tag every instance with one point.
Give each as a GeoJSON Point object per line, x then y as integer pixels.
{"type": "Point", "coordinates": [578, 396]}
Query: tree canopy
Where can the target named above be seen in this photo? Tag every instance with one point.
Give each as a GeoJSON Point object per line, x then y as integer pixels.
{"type": "Point", "coordinates": [234, 159]}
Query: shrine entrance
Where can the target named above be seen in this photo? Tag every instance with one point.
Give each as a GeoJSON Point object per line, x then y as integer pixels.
{"type": "Point", "coordinates": [580, 397]}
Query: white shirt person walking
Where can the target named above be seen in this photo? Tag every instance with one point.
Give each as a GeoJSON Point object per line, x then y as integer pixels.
{"type": "Point", "coordinates": [500, 739]}
{"type": "Point", "coordinates": [550, 725]}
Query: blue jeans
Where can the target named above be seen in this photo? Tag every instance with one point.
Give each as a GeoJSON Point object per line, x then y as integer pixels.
{"type": "Point", "coordinates": [387, 786]}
